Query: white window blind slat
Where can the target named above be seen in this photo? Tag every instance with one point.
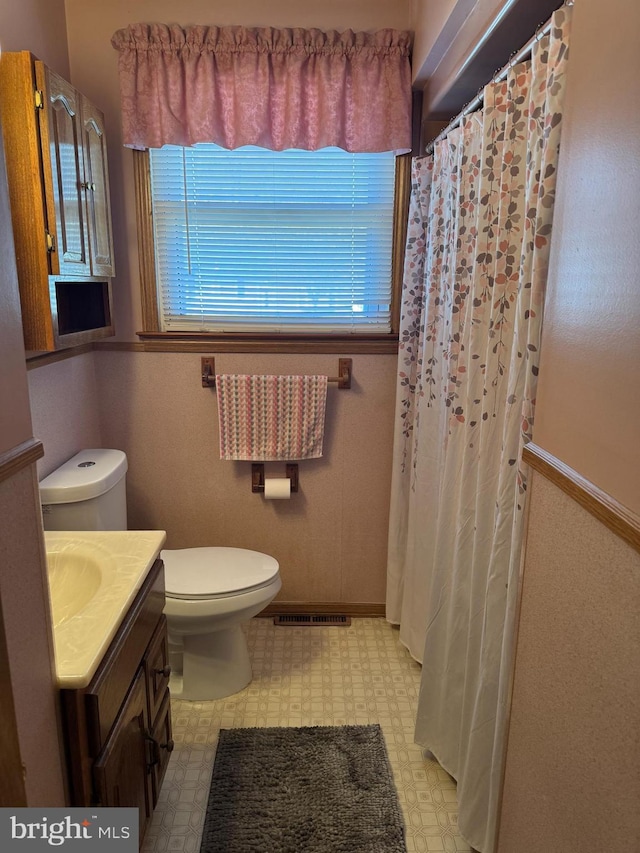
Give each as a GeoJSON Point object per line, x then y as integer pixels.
{"type": "Point", "coordinates": [269, 241]}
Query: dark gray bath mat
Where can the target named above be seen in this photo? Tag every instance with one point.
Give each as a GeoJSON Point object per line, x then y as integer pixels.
{"type": "Point", "coordinates": [321, 789]}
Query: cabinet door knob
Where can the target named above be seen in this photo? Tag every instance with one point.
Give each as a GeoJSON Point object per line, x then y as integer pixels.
{"type": "Point", "coordinates": [166, 671]}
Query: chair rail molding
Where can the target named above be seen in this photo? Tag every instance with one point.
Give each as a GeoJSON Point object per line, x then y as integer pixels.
{"type": "Point", "coordinates": [20, 456]}
{"type": "Point", "coordinates": [610, 512]}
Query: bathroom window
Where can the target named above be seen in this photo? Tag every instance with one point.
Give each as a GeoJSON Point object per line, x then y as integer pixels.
{"type": "Point", "coordinates": [271, 243]}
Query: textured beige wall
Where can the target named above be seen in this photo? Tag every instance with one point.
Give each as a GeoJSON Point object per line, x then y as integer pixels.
{"type": "Point", "coordinates": [588, 410]}
{"type": "Point", "coordinates": [25, 607]}
{"type": "Point", "coordinates": [64, 409]}
{"type": "Point", "coordinates": [572, 781]}
{"type": "Point", "coordinates": [428, 18]}
{"type": "Point", "coordinates": [38, 26]}
{"type": "Point", "coordinates": [330, 538]}
{"type": "Point", "coordinates": [447, 31]}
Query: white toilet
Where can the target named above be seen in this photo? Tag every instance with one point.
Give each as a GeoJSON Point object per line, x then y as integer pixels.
{"type": "Point", "coordinates": [209, 591]}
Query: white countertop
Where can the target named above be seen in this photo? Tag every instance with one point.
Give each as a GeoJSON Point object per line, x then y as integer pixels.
{"type": "Point", "coordinates": [94, 577]}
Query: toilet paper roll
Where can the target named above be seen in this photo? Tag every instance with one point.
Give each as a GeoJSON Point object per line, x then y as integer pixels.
{"type": "Point", "coordinates": [277, 488]}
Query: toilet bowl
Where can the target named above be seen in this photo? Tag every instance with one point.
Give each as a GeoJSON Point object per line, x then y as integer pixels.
{"type": "Point", "coordinates": [209, 591]}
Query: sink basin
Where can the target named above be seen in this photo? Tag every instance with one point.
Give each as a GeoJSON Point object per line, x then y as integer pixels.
{"type": "Point", "coordinates": [94, 577]}
{"type": "Point", "coordinates": [75, 576]}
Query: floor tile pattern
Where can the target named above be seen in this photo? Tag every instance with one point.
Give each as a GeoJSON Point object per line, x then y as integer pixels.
{"type": "Point", "coordinates": [312, 676]}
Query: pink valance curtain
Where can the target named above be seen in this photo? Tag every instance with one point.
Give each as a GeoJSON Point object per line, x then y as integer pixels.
{"type": "Point", "coordinates": [275, 88]}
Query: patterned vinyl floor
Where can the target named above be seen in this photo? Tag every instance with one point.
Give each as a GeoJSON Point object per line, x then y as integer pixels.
{"type": "Point", "coordinates": [308, 677]}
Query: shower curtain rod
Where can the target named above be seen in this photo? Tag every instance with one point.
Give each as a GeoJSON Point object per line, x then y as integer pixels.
{"type": "Point", "coordinates": [472, 106]}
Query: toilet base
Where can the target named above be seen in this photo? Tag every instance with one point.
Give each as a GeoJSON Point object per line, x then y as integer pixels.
{"type": "Point", "coordinates": [214, 665]}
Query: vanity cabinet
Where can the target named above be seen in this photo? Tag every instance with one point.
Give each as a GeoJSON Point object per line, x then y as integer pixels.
{"type": "Point", "coordinates": [118, 728]}
{"type": "Point", "coordinates": [55, 148]}
{"type": "Point", "coordinates": [120, 771]}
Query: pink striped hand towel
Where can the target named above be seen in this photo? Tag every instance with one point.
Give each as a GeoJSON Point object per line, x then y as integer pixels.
{"type": "Point", "coordinates": [264, 418]}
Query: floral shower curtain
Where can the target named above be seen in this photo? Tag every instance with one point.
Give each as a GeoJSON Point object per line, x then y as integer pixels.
{"type": "Point", "coordinates": [475, 274]}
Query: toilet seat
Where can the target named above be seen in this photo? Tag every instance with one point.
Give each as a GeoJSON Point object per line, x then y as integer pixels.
{"type": "Point", "coordinates": [209, 573]}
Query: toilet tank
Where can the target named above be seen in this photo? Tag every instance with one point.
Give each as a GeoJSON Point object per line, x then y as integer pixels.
{"type": "Point", "coordinates": [86, 493]}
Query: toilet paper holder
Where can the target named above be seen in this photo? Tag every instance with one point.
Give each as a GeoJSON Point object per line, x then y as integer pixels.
{"type": "Point", "coordinates": [257, 476]}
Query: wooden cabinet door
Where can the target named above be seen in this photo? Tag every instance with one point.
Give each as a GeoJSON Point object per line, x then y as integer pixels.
{"type": "Point", "coordinates": [157, 669]}
{"type": "Point", "coordinates": [122, 770]}
{"type": "Point", "coordinates": [29, 212]}
{"type": "Point", "coordinates": [163, 745]}
{"type": "Point", "coordinates": [97, 190]}
{"type": "Point", "coordinates": [61, 134]}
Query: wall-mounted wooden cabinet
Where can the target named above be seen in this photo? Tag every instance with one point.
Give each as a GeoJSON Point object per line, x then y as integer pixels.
{"type": "Point", "coordinates": [59, 189]}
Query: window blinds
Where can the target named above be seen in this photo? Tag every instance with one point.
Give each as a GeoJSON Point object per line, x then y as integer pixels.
{"type": "Point", "coordinates": [272, 241]}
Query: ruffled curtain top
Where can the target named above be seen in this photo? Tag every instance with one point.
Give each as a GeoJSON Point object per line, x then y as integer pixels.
{"type": "Point", "coordinates": [275, 88]}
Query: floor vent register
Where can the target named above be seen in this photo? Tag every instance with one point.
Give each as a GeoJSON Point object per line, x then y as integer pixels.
{"type": "Point", "coordinates": [310, 619]}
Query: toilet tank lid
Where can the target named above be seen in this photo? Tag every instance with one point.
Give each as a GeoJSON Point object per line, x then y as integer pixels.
{"type": "Point", "coordinates": [86, 475]}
